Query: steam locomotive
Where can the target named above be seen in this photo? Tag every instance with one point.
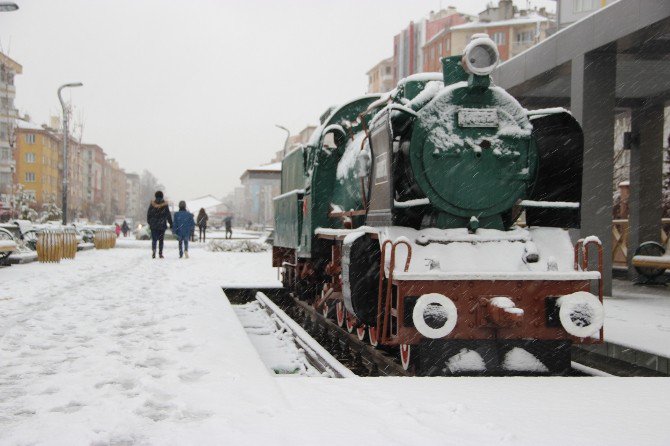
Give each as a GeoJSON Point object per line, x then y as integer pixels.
{"type": "Point", "coordinates": [401, 220]}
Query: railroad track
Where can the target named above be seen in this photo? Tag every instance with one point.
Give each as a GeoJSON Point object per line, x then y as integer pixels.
{"type": "Point", "coordinates": [357, 356]}
{"type": "Point", "coordinates": [362, 359]}
{"type": "Point", "coordinates": [317, 356]}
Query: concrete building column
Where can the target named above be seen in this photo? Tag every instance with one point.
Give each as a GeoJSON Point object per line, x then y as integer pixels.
{"type": "Point", "coordinates": [646, 176]}
{"type": "Point", "coordinates": [592, 100]}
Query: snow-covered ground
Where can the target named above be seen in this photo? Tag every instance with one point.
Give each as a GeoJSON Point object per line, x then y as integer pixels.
{"type": "Point", "coordinates": [639, 317]}
{"type": "Point", "coordinates": [117, 348]}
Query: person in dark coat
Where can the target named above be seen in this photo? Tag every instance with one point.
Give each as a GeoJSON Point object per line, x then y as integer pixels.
{"type": "Point", "coordinates": [158, 218]}
{"type": "Point", "coordinates": [229, 226]}
{"type": "Point", "coordinates": [202, 224]}
{"type": "Point", "coordinates": [183, 226]}
{"type": "Point", "coordinates": [125, 228]}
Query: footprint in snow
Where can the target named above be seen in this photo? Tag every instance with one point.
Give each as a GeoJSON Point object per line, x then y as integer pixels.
{"type": "Point", "coordinates": [71, 407]}
{"type": "Point", "coordinates": [187, 348]}
{"type": "Point", "coordinates": [155, 410]}
{"type": "Point", "coordinates": [121, 384]}
{"type": "Point", "coordinates": [193, 375]}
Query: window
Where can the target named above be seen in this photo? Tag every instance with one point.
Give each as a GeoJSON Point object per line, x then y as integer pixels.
{"type": "Point", "coordinates": [524, 37]}
{"type": "Point", "coordinates": [30, 158]}
{"type": "Point", "coordinates": [447, 46]}
{"type": "Point", "coordinates": [498, 38]}
{"type": "Point", "coordinates": [388, 70]}
{"type": "Point", "coordinates": [30, 138]}
{"type": "Point", "coordinates": [30, 177]}
{"type": "Point", "coordinates": [583, 5]}
{"type": "Point", "coordinates": [5, 153]}
{"type": "Point", "coordinates": [439, 49]}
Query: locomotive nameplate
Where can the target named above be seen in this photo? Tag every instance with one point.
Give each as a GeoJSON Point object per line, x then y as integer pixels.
{"type": "Point", "coordinates": [478, 117]}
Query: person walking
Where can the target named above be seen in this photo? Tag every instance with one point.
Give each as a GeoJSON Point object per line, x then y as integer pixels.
{"type": "Point", "coordinates": [183, 226]}
{"type": "Point", "coordinates": [229, 227]}
{"type": "Point", "coordinates": [125, 228]}
{"type": "Point", "coordinates": [158, 218]}
{"type": "Point", "coordinates": [202, 224]}
{"type": "Point", "coordinates": [117, 229]}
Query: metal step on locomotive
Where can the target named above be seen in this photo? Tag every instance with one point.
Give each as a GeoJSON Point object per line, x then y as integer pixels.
{"type": "Point", "coordinates": [398, 219]}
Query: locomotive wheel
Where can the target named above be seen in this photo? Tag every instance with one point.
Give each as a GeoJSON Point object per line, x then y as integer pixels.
{"type": "Point", "coordinates": [406, 356]}
{"type": "Point", "coordinates": [360, 332]}
{"type": "Point", "coordinates": [372, 336]}
{"type": "Point", "coordinates": [350, 322]}
{"type": "Point", "coordinates": [340, 313]}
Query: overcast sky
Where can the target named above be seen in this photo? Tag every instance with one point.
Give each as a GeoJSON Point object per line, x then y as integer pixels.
{"type": "Point", "coordinates": [191, 89]}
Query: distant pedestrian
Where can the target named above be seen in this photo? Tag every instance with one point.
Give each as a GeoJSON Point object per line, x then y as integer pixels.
{"type": "Point", "coordinates": [158, 218]}
{"type": "Point", "coordinates": [117, 229]}
{"type": "Point", "coordinates": [202, 224]}
{"type": "Point", "coordinates": [125, 228]}
{"type": "Point", "coordinates": [183, 226]}
{"type": "Point", "coordinates": [229, 227]}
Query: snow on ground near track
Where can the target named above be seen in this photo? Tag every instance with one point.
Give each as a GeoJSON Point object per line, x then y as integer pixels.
{"type": "Point", "coordinates": [639, 317]}
{"type": "Point", "coordinates": [117, 348]}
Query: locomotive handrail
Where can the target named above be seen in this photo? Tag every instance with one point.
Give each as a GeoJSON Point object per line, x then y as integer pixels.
{"type": "Point", "coordinates": [402, 108]}
{"type": "Point", "coordinates": [380, 299]}
{"type": "Point", "coordinates": [581, 261]}
{"type": "Point", "coordinates": [383, 319]}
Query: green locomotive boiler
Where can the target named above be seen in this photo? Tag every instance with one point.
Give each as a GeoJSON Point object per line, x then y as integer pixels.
{"type": "Point", "coordinates": [400, 220]}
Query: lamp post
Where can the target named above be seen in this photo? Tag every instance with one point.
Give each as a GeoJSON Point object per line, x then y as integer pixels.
{"type": "Point", "coordinates": [60, 98]}
{"type": "Point", "coordinates": [288, 135]}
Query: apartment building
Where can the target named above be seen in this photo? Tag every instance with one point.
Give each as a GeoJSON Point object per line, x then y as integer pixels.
{"type": "Point", "coordinates": [514, 31]}
{"type": "Point", "coordinates": [37, 158]}
{"type": "Point", "coordinates": [380, 77]}
{"type": "Point", "coordinates": [8, 115]}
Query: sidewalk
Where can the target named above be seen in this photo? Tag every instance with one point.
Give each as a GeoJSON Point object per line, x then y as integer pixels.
{"type": "Point", "coordinates": [117, 348]}
{"type": "Point", "coordinates": [639, 317]}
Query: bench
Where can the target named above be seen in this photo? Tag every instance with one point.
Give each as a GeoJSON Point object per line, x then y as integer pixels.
{"type": "Point", "coordinates": [651, 259]}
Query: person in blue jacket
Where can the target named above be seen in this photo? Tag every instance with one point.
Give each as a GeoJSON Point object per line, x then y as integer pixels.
{"type": "Point", "coordinates": [183, 225]}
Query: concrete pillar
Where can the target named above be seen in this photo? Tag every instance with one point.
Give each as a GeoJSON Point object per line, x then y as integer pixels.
{"type": "Point", "coordinates": [592, 98]}
{"type": "Point", "coordinates": [646, 176]}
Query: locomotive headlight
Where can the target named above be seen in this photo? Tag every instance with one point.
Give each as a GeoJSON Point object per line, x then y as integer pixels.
{"type": "Point", "coordinates": [434, 315]}
{"type": "Point", "coordinates": [480, 55]}
{"type": "Point", "coordinates": [581, 313]}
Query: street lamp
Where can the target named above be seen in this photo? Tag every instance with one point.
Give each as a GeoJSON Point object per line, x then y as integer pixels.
{"type": "Point", "coordinates": [288, 135]}
{"type": "Point", "coordinates": [7, 7]}
{"type": "Point", "coordinates": [60, 98]}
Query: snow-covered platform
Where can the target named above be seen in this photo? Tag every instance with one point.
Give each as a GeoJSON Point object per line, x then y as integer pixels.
{"type": "Point", "coordinates": [117, 348]}
{"type": "Point", "coordinates": [637, 326]}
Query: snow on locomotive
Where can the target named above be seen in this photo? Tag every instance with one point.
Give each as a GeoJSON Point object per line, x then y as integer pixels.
{"type": "Point", "coordinates": [398, 219]}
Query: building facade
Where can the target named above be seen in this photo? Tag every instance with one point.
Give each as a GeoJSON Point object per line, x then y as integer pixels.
{"type": "Point", "coordinates": [513, 31]}
{"type": "Point", "coordinates": [134, 209]}
{"type": "Point", "coordinates": [408, 54]}
{"type": "Point", "coordinates": [8, 115]}
{"type": "Point", "coordinates": [37, 158]}
{"type": "Point", "coordinates": [94, 160]}
{"type": "Point", "coordinates": [571, 11]}
{"type": "Point", "coordinates": [380, 77]}
{"type": "Point", "coordinates": [261, 184]}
